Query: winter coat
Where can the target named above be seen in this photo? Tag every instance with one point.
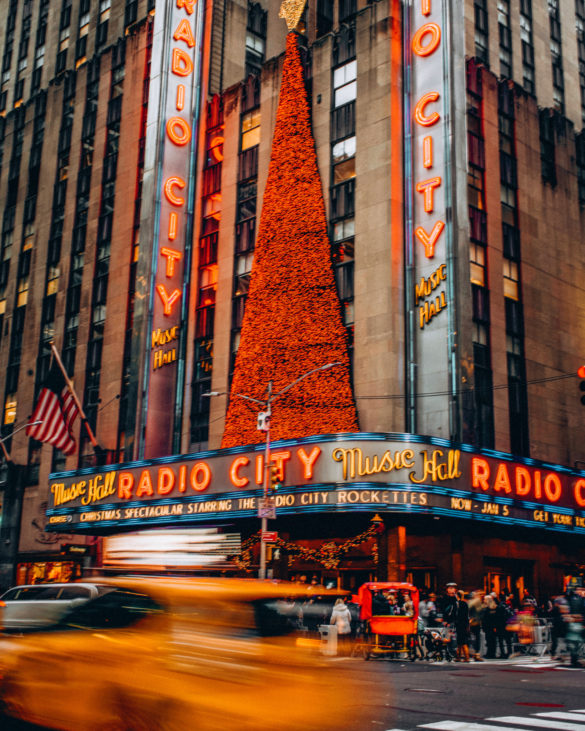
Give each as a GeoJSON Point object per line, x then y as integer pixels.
{"type": "Point", "coordinates": [341, 618]}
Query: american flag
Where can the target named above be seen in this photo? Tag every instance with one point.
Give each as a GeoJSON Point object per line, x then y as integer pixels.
{"type": "Point", "coordinates": [56, 410]}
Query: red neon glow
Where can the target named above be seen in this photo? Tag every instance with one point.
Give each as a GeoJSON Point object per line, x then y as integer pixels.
{"type": "Point", "coordinates": [522, 481]}
{"type": "Point", "coordinates": [480, 473]}
{"type": "Point", "coordinates": [184, 33]}
{"type": "Point", "coordinates": [502, 481]}
{"type": "Point", "coordinates": [235, 478]}
{"type": "Point", "coordinates": [428, 152]}
{"type": "Point", "coordinates": [429, 240]}
{"type": "Point", "coordinates": [173, 225]}
{"type": "Point", "coordinates": [171, 183]}
{"type": "Point", "coordinates": [427, 187]}
{"type": "Point", "coordinates": [432, 30]}
{"type": "Point", "coordinates": [292, 322]}
{"type": "Point", "coordinates": [189, 5]}
{"type": "Point", "coordinates": [580, 493]}
{"type": "Point", "coordinates": [166, 481]}
{"type": "Point", "coordinates": [217, 148]}
{"type": "Point", "coordinates": [168, 300]}
{"type": "Point", "coordinates": [426, 7]}
{"type": "Point", "coordinates": [181, 65]}
{"type": "Point", "coordinates": [144, 484]}
{"type": "Point", "coordinates": [125, 485]}
{"type": "Point", "coordinates": [308, 461]}
{"type": "Point", "coordinates": [183, 136]}
{"type": "Point", "coordinates": [200, 476]}
{"type": "Point", "coordinates": [419, 110]}
{"type": "Point", "coordinates": [553, 488]}
{"type": "Point", "coordinates": [171, 256]}
{"type": "Point", "coordinates": [180, 97]}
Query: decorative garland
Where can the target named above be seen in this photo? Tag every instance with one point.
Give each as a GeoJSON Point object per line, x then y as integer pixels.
{"type": "Point", "coordinates": [328, 555]}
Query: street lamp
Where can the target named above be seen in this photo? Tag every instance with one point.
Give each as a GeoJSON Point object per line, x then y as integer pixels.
{"type": "Point", "coordinates": [264, 425]}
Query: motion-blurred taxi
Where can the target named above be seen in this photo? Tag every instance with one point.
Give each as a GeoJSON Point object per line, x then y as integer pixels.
{"type": "Point", "coordinates": [176, 654]}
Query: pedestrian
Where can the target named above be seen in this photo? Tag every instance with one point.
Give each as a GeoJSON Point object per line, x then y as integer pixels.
{"type": "Point", "coordinates": [450, 609]}
{"type": "Point", "coordinates": [504, 638]}
{"type": "Point", "coordinates": [575, 619]}
{"type": "Point", "coordinates": [558, 625]}
{"type": "Point", "coordinates": [341, 618]}
{"type": "Point", "coordinates": [488, 624]}
{"type": "Point", "coordinates": [462, 628]}
{"type": "Point", "coordinates": [476, 609]}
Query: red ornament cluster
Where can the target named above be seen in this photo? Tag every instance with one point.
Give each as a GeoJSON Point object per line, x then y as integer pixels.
{"type": "Point", "coordinates": [292, 323]}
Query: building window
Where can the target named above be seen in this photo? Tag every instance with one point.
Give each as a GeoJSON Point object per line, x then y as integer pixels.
{"type": "Point", "coordinates": [345, 84]}
{"type": "Point", "coordinates": [527, 44]}
{"type": "Point", "coordinates": [481, 31]}
{"type": "Point", "coordinates": [255, 38]}
{"type": "Point", "coordinates": [505, 38]}
{"type": "Point", "coordinates": [250, 129]}
{"type": "Point", "coordinates": [547, 146]}
{"type": "Point", "coordinates": [10, 404]}
{"type": "Point", "coordinates": [324, 17]}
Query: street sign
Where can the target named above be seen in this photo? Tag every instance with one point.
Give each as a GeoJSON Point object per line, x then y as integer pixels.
{"type": "Point", "coordinates": [267, 508]}
{"type": "Point", "coordinates": [269, 536]}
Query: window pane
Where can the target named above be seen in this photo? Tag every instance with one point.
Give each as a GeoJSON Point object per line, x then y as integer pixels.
{"type": "Point", "coordinates": [345, 73]}
{"type": "Point", "coordinates": [345, 94]}
{"type": "Point", "coordinates": [251, 138]}
{"type": "Point", "coordinates": [344, 171]}
{"type": "Point", "coordinates": [343, 150]}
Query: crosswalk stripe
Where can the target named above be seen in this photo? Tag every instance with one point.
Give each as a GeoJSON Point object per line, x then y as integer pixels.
{"type": "Point", "coordinates": [579, 717]}
{"type": "Point", "coordinates": [462, 726]}
{"type": "Point", "coordinates": [540, 723]}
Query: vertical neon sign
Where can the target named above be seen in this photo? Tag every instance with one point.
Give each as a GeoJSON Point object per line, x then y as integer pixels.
{"type": "Point", "coordinates": [175, 75]}
{"type": "Point", "coordinates": [428, 250]}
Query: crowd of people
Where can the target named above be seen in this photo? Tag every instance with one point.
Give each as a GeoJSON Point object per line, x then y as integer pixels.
{"type": "Point", "coordinates": [471, 625]}
{"type": "Point", "coordinates": [490, 624]}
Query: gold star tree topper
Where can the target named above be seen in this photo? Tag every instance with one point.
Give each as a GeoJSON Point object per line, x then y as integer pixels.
{"type": "Point", "coordinates": [291, 11]}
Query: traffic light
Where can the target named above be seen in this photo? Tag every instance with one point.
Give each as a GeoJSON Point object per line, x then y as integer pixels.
{"type": "Point", "coordinates": [273, 479]}
{"type": "Point", "coordinates": [581, 377]}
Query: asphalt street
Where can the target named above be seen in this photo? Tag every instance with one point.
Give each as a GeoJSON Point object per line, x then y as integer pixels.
{"type": "Point", "coordinates": [519, 694]}
{"type": "Point", "coordinates": [525, 694]}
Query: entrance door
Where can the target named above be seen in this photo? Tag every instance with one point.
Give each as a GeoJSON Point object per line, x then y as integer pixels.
{"type": "Point", "coordinates": [510, 577]}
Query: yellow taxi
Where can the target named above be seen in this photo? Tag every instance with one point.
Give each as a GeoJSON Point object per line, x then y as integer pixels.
{"type": "Point", "coordinates": [177, 654]}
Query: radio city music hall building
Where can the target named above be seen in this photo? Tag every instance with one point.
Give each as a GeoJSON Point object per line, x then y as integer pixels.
{"type": "Point", "coordinates": [196, 200]}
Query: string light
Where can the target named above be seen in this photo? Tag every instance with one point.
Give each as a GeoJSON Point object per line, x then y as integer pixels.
{"type": "Point", "coordinates": [291, 11]}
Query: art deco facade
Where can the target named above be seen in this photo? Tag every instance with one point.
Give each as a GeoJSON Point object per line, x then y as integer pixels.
{"type": "Point", "coordinates": [463, 141]}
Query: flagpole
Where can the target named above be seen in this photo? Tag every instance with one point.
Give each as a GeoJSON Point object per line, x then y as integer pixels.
{"type": "Point", "coordinates": [69, 383]}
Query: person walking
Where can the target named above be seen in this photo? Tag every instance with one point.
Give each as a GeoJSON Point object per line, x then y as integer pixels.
{"type": "Point", "coordinates": [476, 609]}
{"type": "Point", "coordinates": [450, 610]}
{"type": "Point", "coordinates": [341, 618]}
{"type": "Point", "coordinates": [503, 636]}
{"type": "Point", "coordinates": [488, 624]}
{"type": "Point", "coordinates": [428, 611]}
{"type": "Point", "coordinates": [462, 628]}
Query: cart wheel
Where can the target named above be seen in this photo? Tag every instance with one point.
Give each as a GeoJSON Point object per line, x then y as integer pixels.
{"type": "Point", "coordinates": [366, 653]}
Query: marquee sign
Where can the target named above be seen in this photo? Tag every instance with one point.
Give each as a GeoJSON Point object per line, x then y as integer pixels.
{"type": "Point", "coordinates": [175, 78]}
{"type": "Point", "coordinates": [347, 472]}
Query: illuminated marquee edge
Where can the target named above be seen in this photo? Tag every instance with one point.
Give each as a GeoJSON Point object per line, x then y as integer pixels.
{"type": "Point", "coordinates": [443, 497]}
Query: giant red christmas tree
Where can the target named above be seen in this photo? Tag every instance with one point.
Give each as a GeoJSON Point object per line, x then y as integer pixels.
{"type": "Point", "coordinates": [292, 323]}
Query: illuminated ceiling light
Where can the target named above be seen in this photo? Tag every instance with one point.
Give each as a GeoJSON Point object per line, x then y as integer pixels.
{"type": "Point", "coordinates": [291, 11]}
